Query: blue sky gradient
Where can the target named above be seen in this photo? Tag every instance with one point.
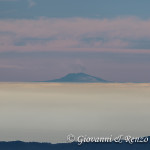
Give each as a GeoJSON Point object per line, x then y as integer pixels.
{"type": "Point", "coordinates": [31, 9]}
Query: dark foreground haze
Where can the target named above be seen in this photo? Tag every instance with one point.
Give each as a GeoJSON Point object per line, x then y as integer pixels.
{"type": "Point", "coordinates": [18, 145]}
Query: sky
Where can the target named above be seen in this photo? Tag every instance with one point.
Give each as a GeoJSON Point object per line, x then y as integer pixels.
{"type": "Point", "coordinates": [44, 112]}
{"type": "Point", "coordinates": [47, 39]}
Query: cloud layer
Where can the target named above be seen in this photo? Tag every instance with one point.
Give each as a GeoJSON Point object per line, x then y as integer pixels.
{"type": "Point", "coordinates": [75, 34]}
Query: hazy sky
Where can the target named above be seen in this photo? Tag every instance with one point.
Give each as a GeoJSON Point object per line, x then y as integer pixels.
{"type": "Point", "coordinates": [44, 112]}
{"type": "Point", "coordinates": [46, 39]}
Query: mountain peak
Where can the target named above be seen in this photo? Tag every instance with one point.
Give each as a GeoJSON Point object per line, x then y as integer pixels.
{"type": "Point", "coordinates": [78, 77]}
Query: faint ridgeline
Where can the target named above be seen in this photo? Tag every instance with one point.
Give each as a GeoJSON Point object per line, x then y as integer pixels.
{"type": "Point", "coordinates": [79, 77]}
{"type": "Point", "coordinates": [18, 145]}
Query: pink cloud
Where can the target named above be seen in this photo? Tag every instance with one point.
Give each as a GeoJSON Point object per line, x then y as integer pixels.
{"type": "Point", "coordinates": [73, 34]}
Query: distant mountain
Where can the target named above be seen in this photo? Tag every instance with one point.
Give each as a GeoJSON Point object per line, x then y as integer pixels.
{"type": "Point", "coordinates": [79, 77]}
{"type": "Point", "coordinates": [18, 145]}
